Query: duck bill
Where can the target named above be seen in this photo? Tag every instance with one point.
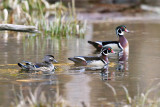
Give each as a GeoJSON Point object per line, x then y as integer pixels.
{"type": "Point", "coordinates": [55, 61]}
{"type": "Point", "coordinates": [126, 30]}
{"type": "Point", "coordinates": [112, 51]}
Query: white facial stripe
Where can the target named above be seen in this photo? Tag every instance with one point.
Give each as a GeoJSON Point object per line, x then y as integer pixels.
{"type": "Point", "coordinates": [117, 31]}
{"type": "Point", "coordinates": [51, 58]}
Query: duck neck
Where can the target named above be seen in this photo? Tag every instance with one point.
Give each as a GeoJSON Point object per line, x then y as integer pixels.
{"type": "Point", "coordinates": [104, 59]}
{"type": "Point", "coordinates": [123, 41]}
{"type": "Point", "coordinates": [50, 65]}
{"type": "Point", "coordinates": [47, 62]}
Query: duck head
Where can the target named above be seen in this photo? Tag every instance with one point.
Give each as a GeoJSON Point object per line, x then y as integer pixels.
{"type": "Point", "coordinates": [104, 53]}
{"type": "Point", "coordinates": [121, 29]}
{"type": "Point", "coordinates": [106, 50]}
{"type": "Point", "coordinates": [49, 59]}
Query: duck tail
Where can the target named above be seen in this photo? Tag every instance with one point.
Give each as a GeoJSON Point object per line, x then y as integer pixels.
{"type": "Point", "coordinates": [75, 60]}
{"type": "Point", "coordinates": [22, 66]}
{"type": "Point", "coordinates": [72, 59]}
{"type": "Point", "coordinates": [97, 45]}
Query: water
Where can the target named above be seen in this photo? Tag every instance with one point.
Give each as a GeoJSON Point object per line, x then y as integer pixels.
{"type": "Point", "coordinates": [80, 87]}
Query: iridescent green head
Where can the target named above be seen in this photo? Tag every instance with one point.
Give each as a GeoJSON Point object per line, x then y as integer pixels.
{"type": "Point", "coordinates": [106, 50]}
{"type": "Point", "coordinates": [121, 29]}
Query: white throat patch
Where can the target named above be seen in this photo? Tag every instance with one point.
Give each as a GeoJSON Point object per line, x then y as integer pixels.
{"type": "Point", "coordinates": [122, 33]}
{"type": "Point", "coordinates": [119, 32]}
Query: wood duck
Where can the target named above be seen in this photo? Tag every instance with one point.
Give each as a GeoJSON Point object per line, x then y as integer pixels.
{"type": "Point", "coordinates": [45, 66]}
{"type": "Point", "coordinates": [122, 44]}
{"type": "Point", "coordinates": [93, 60]}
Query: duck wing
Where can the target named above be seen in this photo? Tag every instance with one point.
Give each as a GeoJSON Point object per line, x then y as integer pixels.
{"type": "Point", "coordinates": [38, 65]}
{"type": "Point", "coordinates": [99, 44]}
{"type": "Point", "coordinates": [112, 44]}
{"type": "Point", "coordinates": [23, 66]}
{"type": "Point", "coordinates": [78, 60]}
{"type": "Point", "coordinates": [82, 60]}
{"type": "Point", "coordinates": [27, 62]}
{"type": "Point", "coordinates": [27, 66]}
{"type": "Point", "coordinates": [96, 44]}
{"type": "Point", "coordinates": [92, 58]}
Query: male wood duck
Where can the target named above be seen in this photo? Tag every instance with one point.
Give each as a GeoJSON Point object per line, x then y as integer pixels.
{"type": "Point", "coordinates": [93, 60]}
{"type": "Point", "coordinates": [45, 66]}
{"type": "Point", "coordinates": [122, 44]}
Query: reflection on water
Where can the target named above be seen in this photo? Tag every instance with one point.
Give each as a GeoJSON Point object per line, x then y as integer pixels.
{"type": "Point", "coordinates": [123, 61]}
{"type": "Point", "coordinates": [106, 75]}
{"type": "Point", "coordinates": [84, 85]}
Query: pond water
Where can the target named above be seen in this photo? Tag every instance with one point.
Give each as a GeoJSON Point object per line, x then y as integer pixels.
{"type": "Point", "coordinates": [81, 87]}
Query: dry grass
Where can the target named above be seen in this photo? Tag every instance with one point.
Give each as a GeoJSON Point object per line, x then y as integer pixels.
{"type": "Point", "coordinates": [141, 99]}
{"type": "Point", "coordinates": [38, 99]}
{"type": "Point", "coordinates": [36, 12]}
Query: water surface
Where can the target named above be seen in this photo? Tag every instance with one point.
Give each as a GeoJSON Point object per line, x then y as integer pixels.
{"type": "Point", "coordinates": [81, 87]}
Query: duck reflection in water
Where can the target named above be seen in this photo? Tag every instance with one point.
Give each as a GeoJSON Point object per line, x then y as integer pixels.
{"type": "Point", "coordinates": [83, 69]}
{"type": "Point", "coordinates": [36, 79]}
{"type": "Point", "coordinates": [106, 75]}
{"type": "Point", "coordinates": [122, 61]}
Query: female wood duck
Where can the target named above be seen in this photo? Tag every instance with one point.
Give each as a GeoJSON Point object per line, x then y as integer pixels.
{"type": "Point", "coordinates": [93, 60]}
{"type": "Point", "coordinates": [122, 44]}
{"type": "Point", "coordinates": [45, 66]}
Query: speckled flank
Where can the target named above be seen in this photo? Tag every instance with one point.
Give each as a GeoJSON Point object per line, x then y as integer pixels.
{"type": "Point", "coordinates": [96, 63]}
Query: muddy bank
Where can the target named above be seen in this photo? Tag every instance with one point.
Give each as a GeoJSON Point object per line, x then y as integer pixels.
{"type": "Point", "coordinates": [119, 12]}
{"type": "Point", "coordinates": [119, 17]}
